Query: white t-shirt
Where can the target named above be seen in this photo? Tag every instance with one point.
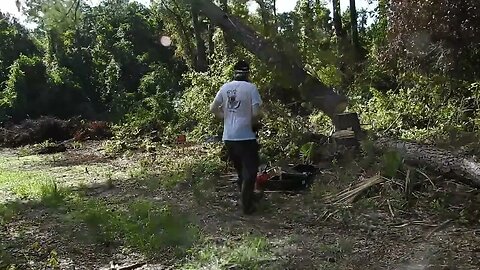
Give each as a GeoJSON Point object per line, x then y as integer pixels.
{"type": "Point", "coordinates": [237, 99]}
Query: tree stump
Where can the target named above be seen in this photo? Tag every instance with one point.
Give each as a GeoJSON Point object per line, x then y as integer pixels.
{"type": "Point", "coordinates": [347, 122]}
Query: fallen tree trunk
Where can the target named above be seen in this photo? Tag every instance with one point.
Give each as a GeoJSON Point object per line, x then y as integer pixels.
{"type": "Point", "coordinates": [312, 90]}
{"type": "Point", "coordinates": [465, 169]}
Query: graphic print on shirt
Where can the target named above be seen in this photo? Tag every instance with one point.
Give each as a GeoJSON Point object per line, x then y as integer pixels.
{"type": "Point", "coordinates": [233, 103]}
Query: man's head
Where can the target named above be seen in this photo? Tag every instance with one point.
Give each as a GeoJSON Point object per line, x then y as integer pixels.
{"type": "Point", "coordinates": [242, 70]}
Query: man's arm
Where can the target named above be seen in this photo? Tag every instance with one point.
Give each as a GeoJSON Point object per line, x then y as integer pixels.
{"type": "Point", "coordinates": [256, 109]}
{"type": "Point", "coordinates": [256, 113]}
{"type": "Point", "coordinates": [216, 106]}
{"type": "Point", "coordinates": [217, 110]}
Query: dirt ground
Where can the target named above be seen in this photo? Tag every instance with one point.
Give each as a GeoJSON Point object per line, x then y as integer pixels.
{"type": "Point", "coordinates": [302, 232]}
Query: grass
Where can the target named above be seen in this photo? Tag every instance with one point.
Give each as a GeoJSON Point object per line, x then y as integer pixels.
{"type": "Point", "coordinates": [7, 213]}
{"type": "Point", "coordinates": [19, 178]}
{"type": "Point", "coordinates": [151, 228]}
{"type": "Point", "coordinates": [144, 225]}
{"type": "Point", "coordinates": [23, 184]}
{"type": "Point", "coordinates": [250, 253]}
{"type": "Point", "coordinates": [198, 173]}
{"type": "Point", "coordinates": [107, 220]}
{"type": "Point", "coordinates": [52, 195]}
{"type": "Point", "coordinates": [32, 185]}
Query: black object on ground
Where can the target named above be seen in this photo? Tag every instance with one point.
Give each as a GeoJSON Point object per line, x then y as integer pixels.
{"type": "Point", "coordinates": [300, 178]}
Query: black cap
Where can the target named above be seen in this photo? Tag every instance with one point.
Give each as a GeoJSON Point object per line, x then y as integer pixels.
{"type": "Point", "coordinates": [241, 67]}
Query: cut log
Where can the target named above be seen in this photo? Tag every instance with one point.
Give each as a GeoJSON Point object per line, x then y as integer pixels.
{"type": "Point", "coordinates": [465, 169]}
{"type": "Point", "coordinates": [312, 90]}
{"type": "Point", "coordinates": [347, 122]}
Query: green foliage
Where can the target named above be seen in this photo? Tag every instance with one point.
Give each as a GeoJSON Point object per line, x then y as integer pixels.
{"type": "Point", "coordinates": [194, 105]}
{"type": "Point", "coordinates": [56, 14]}
{"type": "Point", "coordinates": [52, 195]}
{"type": "Point", "coordinates": [411, 112]}
{"type": "Point", "coordinates": [417, 43]}
{"type": "Point", "coordinates": [106, 61]}
{"type": "Point", "coordinates": [19, 95]}
{"type": "Point", "coordinates": [34, 89]}
{"type": "Point", "coordinates": [307, 151]}
{"type": "Point", "coordinates": [250, 253]}
{"type": "Point", "coordinates": [14, 41]}
{"type": "Point", "coordinates": [146, 226]}
{"type": "Point", "coordinates": [23, 183]}
{"type": "Point", "coordinates": [94, 62]}
{"type": "Point", "coordinates": [391, 163]}
{"type": "Point", "coordinates": [155, 110]}
{"type": "Point", "coordinates": [282, 133]}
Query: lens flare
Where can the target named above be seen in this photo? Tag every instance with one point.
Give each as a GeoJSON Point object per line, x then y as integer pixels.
{"type": "Point", "coordinates": [166, 41]}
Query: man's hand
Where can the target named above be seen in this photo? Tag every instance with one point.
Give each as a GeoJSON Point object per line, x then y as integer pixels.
{"type": "Point", "coordinates": [217, 110]}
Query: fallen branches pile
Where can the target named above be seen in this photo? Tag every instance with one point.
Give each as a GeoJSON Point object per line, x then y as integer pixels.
{"type": "Point", "coordinates": [37, 131]}
{"type": "Point", "coordinates": [34, 131]}
{"type": "Point", "coordinates": [349, 195]}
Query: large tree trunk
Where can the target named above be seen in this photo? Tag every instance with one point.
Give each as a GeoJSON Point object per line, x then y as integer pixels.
{"type": "Point", "coordinates": [465, 169]}
{"type": "Point", "coordinates": [228, 41]}
{"type": "Point", "coordinates": [337, 20]}
{"type": "Point", "coordinates": [341, 41]}
{"type": "Point", "coordinates": [312, 90]}
{"type": "Point", "coordinates": [184, 32]}
{"type": "Point", "coordinates": [211, 43]}
{"type": "Point", "coordinates": [354, 18]}
{"type": "Point", "coordinates": [267, 8]}
{"type": "Point", "coordinates": [202, 62]}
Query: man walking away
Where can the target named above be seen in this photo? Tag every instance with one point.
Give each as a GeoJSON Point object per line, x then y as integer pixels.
{"type": "Point", "coordinates": [238, 104]}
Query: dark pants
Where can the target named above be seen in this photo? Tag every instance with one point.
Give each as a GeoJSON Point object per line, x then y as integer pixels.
{"type": "Point", "coordinates": [244, 155]}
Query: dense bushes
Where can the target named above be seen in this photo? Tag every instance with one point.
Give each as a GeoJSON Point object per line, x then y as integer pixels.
{"type": "Point", "coordinates": [110, 64]}
{"type": "Point", "coordinates": [33, 90]}
{"type": "Point", "coordinates": [106, 64]}
{"type": "Point", "coordinates": [417, 109]}
{"type": "Point", "coordinates": [14, 41]}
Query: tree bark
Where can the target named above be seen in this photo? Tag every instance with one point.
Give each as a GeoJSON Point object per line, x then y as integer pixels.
{"type": "Point", "coordinates": [312, 90]}
{"type": "Point", "coordinates": [465, 169]}
{"type": "Point", "coordinates": [341, 41]}
{"type": "Point", "coordinates": [202, 62]}
{"type": "Point", "coordinates": [264, 13]}
{"type": "Point", "coordinates": [211, 43]}
{"type": "Point", "coordinates": [337, 20]}
{"type": "Point", "coordinates": [347, 121]}
{"type": "Point", "coordinates": [353, 19]}
{"type": "Point", "coordinates": [184, 32]}
{"type": "Point", "coordinates": [228, 41]}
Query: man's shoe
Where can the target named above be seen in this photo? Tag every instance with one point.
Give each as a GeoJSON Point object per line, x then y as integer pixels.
{"type": "Point", "coordinates": [249, 210]}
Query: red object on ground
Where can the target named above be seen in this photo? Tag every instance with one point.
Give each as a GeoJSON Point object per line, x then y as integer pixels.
{"type": "Point", "coordinates": [181, 139]}
{"type": "Point", "coordinates": [262, 179]}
